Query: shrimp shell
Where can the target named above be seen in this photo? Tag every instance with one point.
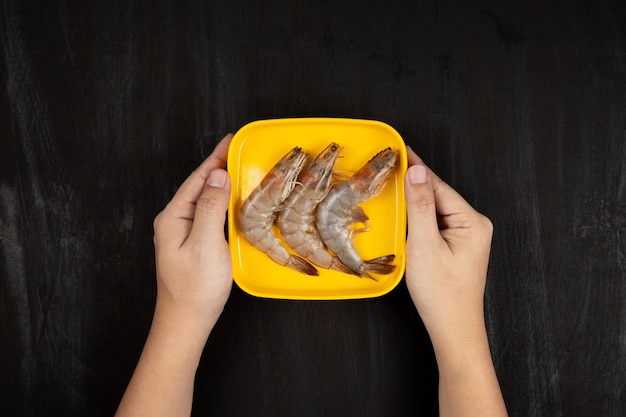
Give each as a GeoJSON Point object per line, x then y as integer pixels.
{"type": "Point", "coordinates": [339, 210]}
{"type": "Point", "coordinates": [258, 212]}
{"type": "Point", "coordinates": [297, 219]}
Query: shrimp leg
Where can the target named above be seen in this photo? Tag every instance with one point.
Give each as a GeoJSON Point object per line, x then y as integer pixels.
{"type": "Point", "coordinates": [339, 210]}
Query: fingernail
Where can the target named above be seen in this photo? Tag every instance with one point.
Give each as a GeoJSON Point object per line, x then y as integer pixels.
{"type": "Point", "coordinates": [417, 174]}
{"type": "Point", "coordinates": [217, 178]}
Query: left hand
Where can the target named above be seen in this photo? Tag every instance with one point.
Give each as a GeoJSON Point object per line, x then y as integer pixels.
{"type": "Point", "coordinates": [194, 270]}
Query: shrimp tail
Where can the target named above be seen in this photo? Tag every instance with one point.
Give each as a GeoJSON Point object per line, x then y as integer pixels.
{"type": "Point", "coordinates": [337, 265]}
{"type": "Point", "coordinates": [382, 260]}
{"type": "Point", "coordinates": [381, 265]}
{"type": "Point", "coordinates": [301, 265]}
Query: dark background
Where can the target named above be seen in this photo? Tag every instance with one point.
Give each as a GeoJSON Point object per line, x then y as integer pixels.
{"type": "Point", "coordinates": [106, 106]}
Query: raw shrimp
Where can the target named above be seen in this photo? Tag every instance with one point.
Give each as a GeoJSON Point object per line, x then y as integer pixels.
{"type": "Point", "coordinates": [297, 219]}
{"type": "Point", "coordinates": [339, 210]}
{"type": "Point", "coordinates": [258, 212]}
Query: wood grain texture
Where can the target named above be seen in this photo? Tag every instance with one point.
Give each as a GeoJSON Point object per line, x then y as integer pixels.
{"type": "Point", "coordinates": [105, 108]}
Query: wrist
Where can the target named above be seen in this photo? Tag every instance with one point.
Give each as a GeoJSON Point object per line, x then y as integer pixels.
{"type": "Point", "coordinates": [460, 345]}
{"type": "Point", "coordinates": [458, 333]}
{"type": "Point", "coordinates": [467, 375]}
{"type": "Point", "coordinates": [186, 328]}
{"type": "Point", "coordinates": [196, 312]}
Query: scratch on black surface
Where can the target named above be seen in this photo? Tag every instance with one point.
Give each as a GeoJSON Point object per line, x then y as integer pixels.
{"type": "Point", "coordinates": [42, 204]}
{"type": "Point", "coordinates": [508, 32]}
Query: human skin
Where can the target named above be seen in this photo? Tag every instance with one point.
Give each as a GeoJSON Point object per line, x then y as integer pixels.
{"type": "Point", "coordinates": [447, 254]}
{"type": "Point", "coordinates": [448, 247]}
{"type": "Point", "coordinates": [194, 279]}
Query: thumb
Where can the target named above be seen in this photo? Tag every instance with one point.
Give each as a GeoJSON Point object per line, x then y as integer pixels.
{"type": "Point", "coordinates": [421, 209]}
{"type": "Point", "coordinates": [211, 208]}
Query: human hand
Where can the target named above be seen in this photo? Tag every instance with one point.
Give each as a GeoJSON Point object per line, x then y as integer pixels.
{"type": "Point", "coordinates": [194, 278]}
{"type": "Point", "coordinates": [446, 269]}
{"type": "Point", "coordinates": [448, 248]}
{"type": "Point", "coordinates": [194, 271]}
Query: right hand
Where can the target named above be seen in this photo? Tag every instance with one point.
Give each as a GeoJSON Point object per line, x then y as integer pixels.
{"type": "Point", "coordinates": [448, 248]}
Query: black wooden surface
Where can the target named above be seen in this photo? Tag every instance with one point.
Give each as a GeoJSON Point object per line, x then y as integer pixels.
{"type": "Point", "coordinates": [106, 106]}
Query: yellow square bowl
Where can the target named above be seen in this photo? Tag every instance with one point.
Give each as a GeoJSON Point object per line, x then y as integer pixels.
{"type": "Point", "coordinates": [257, 147]}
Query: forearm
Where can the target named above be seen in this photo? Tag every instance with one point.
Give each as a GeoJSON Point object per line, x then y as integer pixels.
{"type": "Point", "coordinates": [468, 385]}
{"type": "Point", "coordinates": [162, 384]}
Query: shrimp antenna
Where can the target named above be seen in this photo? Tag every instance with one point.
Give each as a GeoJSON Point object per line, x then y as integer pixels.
{"type": "Point", "coordinates": [342, 175]}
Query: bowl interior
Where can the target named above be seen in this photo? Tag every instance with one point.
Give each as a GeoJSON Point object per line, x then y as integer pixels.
{"type": "Point", "coordinates": [255, 149]}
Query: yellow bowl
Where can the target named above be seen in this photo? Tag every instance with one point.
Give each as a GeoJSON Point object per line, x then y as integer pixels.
{"type": "Point", "coordinates": [255, 149]}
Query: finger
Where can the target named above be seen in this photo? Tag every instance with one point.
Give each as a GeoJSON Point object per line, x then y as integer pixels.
{"type": "Point", "coordinates": [447, 200]}
{"type": "Point", "coordinates": [412, 157]}
{"type": "Point", "coordinates": [421, 209]}
{"type": "Point", "coordinates": [210, 213]}
{"type": "Point", "coordinates": [173, 224]}
{"type": "Point", "coordinates": [193, 186]}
